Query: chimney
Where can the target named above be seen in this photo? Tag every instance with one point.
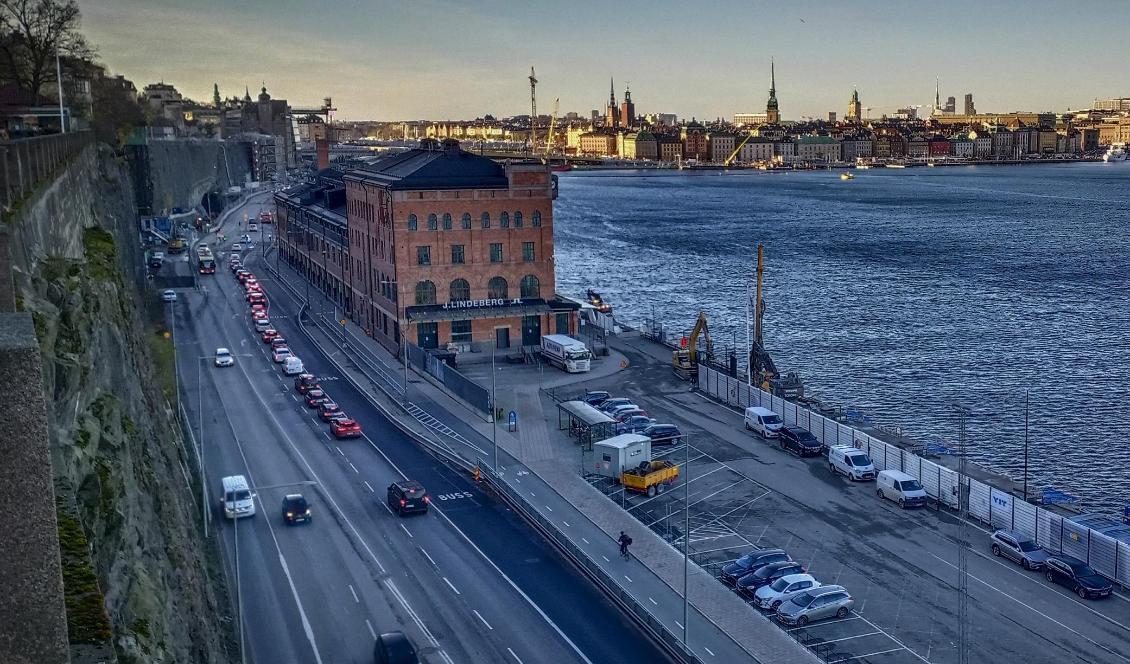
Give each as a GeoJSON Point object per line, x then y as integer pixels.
{"type": "Point", "coordinates": [322, 152]}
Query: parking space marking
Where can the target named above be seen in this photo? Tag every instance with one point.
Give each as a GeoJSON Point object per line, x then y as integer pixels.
{"type": "Point", "coordinates": [481, 618]}
{"type": "Point", "coordinates": [628, 578]}
{"type": "Point", "coordinates": [516, 658]}
{"type": "Point", "coordinates": [870, 654]}
{"type": "Point", "coordinates": [846, 638]}
{"type": "Point", "coordinates": [709, 651]}
{"type": "Point", "coordinates": [605, 558]}
{"type": "Point", "coordinates": [565, 522]}
{"type": "Point", "coordinates": [653, 601]}
{"type": "Point", "coordinates": [825, 623]}
{"type": "Point", "coordinates": [371, 630]}
{"type": "Point", "coordinates": [679, 624]}
{"type": "Point", "coordinates": [1012, 568]}
{"type": "Point", "coordinates": [584, 540]}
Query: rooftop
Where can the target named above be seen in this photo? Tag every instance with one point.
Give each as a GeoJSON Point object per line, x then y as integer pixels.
{"type": "Point", "coordinates": [429, 167]}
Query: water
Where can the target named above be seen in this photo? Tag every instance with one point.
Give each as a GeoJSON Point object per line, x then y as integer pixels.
{"type": "Point", "coordinates": [897, 293]}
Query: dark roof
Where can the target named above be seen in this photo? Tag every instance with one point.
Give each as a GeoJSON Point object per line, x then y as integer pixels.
{"type": "Point", "coordinates": [447, 168]}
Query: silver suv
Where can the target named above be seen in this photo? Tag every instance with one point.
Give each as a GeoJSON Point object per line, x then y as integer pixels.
{"type": "Point", "coordinates": [1018, 548]}
{"type": "Point", "coordinates": [816, 604]}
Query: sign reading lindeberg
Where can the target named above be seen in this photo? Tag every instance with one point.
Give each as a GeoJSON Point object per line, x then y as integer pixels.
{"type": "Point", "coordinates": [495, 302]}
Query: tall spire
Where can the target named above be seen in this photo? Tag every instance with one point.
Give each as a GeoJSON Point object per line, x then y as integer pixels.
{"type": "Point", "coordinates": [611, 91]}
{"type": "Point", "coordinates": [772, 78]}
{"type": "Point", "coordinates": [937, 92]}
{"type": "Point", "coordinates": [772, 112]}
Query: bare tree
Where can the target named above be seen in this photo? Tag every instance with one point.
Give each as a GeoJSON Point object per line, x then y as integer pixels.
{"type": "Point", "coordinates": [32, 32]}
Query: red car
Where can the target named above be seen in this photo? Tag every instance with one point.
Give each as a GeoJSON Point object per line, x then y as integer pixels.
{"type": "Point", "coordinates": [269, 335]}
{"type": "Point", "coordinates": [278, 342]}
{"type": "Point", "coordinates": [243, 276]}
{"type": "Point", "coordinates": [345, 428]}
{"type": "Point", "coordinates": [315, 397]}
{"type": "Point", "coordinates": [258, 315]}
{"type": "Point", "coordinates": [257, 298]}
{"type": "Point", "coordinates": [328, 408]}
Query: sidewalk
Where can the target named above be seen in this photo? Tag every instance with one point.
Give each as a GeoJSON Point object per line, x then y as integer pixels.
{"type": "Point", "coordinates": [720, 627]}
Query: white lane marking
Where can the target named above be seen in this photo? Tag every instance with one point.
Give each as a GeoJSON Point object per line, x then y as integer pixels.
{"type": "Point", "coordinates": [822, 623]}
{"type": "Point", "coordinates": [371, 630]}
{"type": "Point", "coordinates": [679, 624]}
{"type": "Point", "coordinates": [517, 480]}
{"type": "Point", "coordinates": [870, 654]}
{"type": "Point", "coordinates": [709, 651]}
{"type": "Point", "coordinates": [628, 578]}
{"type": "Point", "coordinates": [301, 612]}
{"type": "Point", "coordinates": [480, 617]}
{"type": "Point", "coordinates": [516, 658]}
{"type": "Point", "coordinates": [406, 531]}
{"type": "Point", "coordinates": [565, 522]}
{"type": "Point", "coordinates": [339, 450]}
{"type": "Point", "coordinates": [584, 540]}
{"type": "Point", "coordinates": [354, 468]}
{"type": "Point", "coordinates": [549, 508]}
{"type": "Point", "coordinates": [533, 494]}
{"type": "Point", "coordinates": [370, 488]}
{"type": "Point", "coordinates": [653, 601]}
{"type": "Point", "coordinates": [605, 558]}
{"type": "Point", "coordinates": [327, 435]}
{"type": "Point", "coordinates": [846, 638]}
{"type": "Point", "coordinates": [452, 586]}
{"type": "Point", "coordinates": [354, 593]}
{"type": "Point", "coordinates": [430, 559]}
{"type": "Point", "coordinates": [294, 397]}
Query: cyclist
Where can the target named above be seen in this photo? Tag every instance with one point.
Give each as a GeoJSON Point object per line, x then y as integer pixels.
{"type": "Point", "coordinates": [625, 542]}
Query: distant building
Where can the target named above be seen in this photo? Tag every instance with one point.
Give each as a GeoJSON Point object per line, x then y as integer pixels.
{"type": "Point", "coordinates": [962, 147]}
{"type": "Point", "coordinates": [1116, 104]}
{"type": "Point", "coordinates": [772, 111]}
{"type": "Point", "coordinates": [693, 135]}
{"type": "Point", "coordinates": [670, 148]}
{"type": "Point", "coordinates": [611, 113]}
{"type": "Point", "coordinates": [823, 149]}
{"type": "Point", "coordinates": [720, 146]}
{"type": "Point", "coordinates": [638, 145]}
{"type": "Point", "coordinates": [627, 111]}
{"type": "Point", "coordinates": [602, 143]}
{"type": "Point", "coordinates": [970, 109]}
{"type": "Point", "coordinates": [756, 149]}
{"type": "Point", "coordinates": [832, 117]}
{"type": "Point", "coordinates": [855, 107]}
{"type": "Point", "coordinates": [908, 113]}
{"type": "Point", "coordinates": [265, 116]}
{"type": "Point", "coordinates": [749, 119]}
{"type": "Point", "coordinates": [951, 106]}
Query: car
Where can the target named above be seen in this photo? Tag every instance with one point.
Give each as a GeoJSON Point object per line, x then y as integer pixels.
{"type": "Point", "coordinates": [237, 247]}
{"type": "Point", "coordinates": [258, 307]}
{"type": "Point", "coordinates": [609, 404]}
{"type": "Point", "coordinates": [156, 261]}
{"type": "Point", "coordinates": [257, 298]}
{"type": "Point", "coordinates": [293, 366]}
{"type": "Point", "coordinates": [799, 441]}
{"type": "Point", "coordinates": [315, 397]}
{"type": "Point", "coordinates": [269, 335]}
{"type": "Point", "coordinates": [345, 428]}
{"type": "Point", "coordinates": [278, 342]}
{"type": "Point", "coordinates": [623, 414]}
{"type": "Point", "coordinates": [1018, 548]}
{"type": "Point", "coordinates": [596, 397]}
{"type": "Point", "coordinates": [408, 496]}
{"type": "Point", "coordinates": [747, 585]}
{"type": "Point", "coordinates": [295, 509]}
{"type": "Point", "coordinates": [258, 316]}
{"type": "Point", "coordinates": [750, 562]}
{"type": "Point", "coordinates": [245, 238]}
{"type": "Point", "coordinates": [224, 358]}
{"type": "Point", "coordinates": [305, 382]}
{"type": "Point", "coordinates": [1077, 575]}
{"type": "Point", "coordinates": [169, 296]}
{"type": "Point", "coordinates": [773, 595]}
{"type": "Point", "coordinates": [816, 604]}
{"type": "Point", "coordinates": [338, 416]}
{"type": "Point", "coordinates": [662, 434]}
{"type": "Point", "coordinates": [262, 324]}
{"type": "Point", "coordinates": [244, 275]}
{"type": "Point", "coordinates": [328, 408]}
{"type": "Point", "coordinates": [634, 424]}
{"type": "Point", "coordinates": [250, 282]}
{"type": "Point", "coordinates": [394, 648]}
{"type": "Point", "coordinates": [280, 354]}
{"type": "Point", "coordinates": [619, 408]}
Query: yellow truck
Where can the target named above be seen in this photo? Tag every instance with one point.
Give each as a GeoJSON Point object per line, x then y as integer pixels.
{"type": "Point", "coordinates": [651, 478]}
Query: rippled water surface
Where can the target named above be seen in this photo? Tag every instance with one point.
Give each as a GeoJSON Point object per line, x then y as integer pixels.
{"type": "Point", "coordinates": [897, 293]}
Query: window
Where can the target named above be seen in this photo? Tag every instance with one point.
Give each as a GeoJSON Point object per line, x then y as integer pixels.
{"type": "Point", "coordinates": [496, 288]}
{"type": "Point", "coordinates": [485, 219]}
{"type": "Point", "coordinates": [465, 222]}
{"type": "Point", "coordinates": [424, 255]}
{"type": "Point", "coordinates": [433, 223]}
{"type": "Point", "coordinates": [517, 220]}
{"type": "Point", "coordinates": [460, 290]}
{"type": "Point", "coordinates": [535, 219]}
{"type": "Point", "coordinates": [460, 331]}
{"type": "Point", "coordinates": [504, 220]}
{"type": "Point", "coordinates": [528, 252]}
{"type": "Point", "coordinates": [425, 292]}
{"type": "Point", "coordinates": [446, 221]}
{"type": "Point", "coordinates": [457, 254]}
{"type": "Point", "coordinates": [530, 286]}
{"type": "Point", "coordinates": [496, 252]}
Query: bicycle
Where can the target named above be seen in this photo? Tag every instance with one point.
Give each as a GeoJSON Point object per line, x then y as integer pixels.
{"type": "Point", "coordinates": [624, 552]}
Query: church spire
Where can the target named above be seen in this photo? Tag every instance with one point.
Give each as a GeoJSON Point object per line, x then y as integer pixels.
{"type": "Point", "coordinates": [772, 111]}
{"type": "Point", "coordinates": [937, 92]}
{"type": "Point", "coordinates": [611, 91]}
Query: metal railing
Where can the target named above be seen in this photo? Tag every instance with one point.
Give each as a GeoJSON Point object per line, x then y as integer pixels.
{"type": "Point", "coordinates": [26, 162]}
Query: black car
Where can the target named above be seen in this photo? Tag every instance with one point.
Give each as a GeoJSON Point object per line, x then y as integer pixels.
{"type": "Point", "coordinates": [747, 585]}
{"type": "Point", "coordinates": [394, 648]}
{"type": "Point", "coordinates": [295, 509]}
{"type": "Point", "coordinates": [408, 496]}
{"type": "Point", "coordinates": [800, 441]}
{"type": "Point", "coordinates": [305, 382]}
{"type": "Point", "coordinates": [750, 562]}
{"type": "Point", "coordinates": [1078, 576]}
{"type": "Point", "coordinates": [663, 434]}
{"type": "Point", "coordinates": [595, 398]}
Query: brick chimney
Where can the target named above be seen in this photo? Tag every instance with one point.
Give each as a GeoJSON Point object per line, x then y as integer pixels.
{"type": "Point", "coordinates": [322, 152]}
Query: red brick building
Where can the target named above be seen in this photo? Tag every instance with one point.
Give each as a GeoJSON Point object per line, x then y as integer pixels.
{"type": "Point", "coordinates": [441, 245]}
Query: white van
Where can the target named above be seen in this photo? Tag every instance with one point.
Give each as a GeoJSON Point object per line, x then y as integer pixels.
{"type": "Point", "coordinates": [237, 499]}
{"type": "Point", "coordinates": [261, 324]}
{"type": "Point", "coordinates": [852, 462]}
{"type": "Point", "coordinates": [763, 421]}
{"type": "Point", "coordinates": [292, 366]}
{"type": "Point", "coordinates": [901, 488]}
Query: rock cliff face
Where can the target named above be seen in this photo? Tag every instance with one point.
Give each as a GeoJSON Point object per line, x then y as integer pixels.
{"type": "Point", "coordinates": [141, 583]}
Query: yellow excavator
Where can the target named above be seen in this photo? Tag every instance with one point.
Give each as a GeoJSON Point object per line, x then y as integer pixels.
{"type": "Point", "coordinates": [684, 359]}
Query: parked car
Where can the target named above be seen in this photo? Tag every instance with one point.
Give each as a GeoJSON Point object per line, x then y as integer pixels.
{"type": "Point", "coordinates": [609, 404]}
{"type": "Point", "coordinates": [169, 295]}
{"type": "Point", "coordinates": [596, 397]}
{"type": "Point", "coordinates": [280, 354]}
{"type": "Point", "coordinates": [315, 397]}
{"type": "Point", "coordinates": [1018, 548]}
{"type": "Point", "coordinates": [902, 488]}
{"type": "Point", "coordinates": [849, 461]}
{"type": "Point", "coordinates": [816, 604]}
{"type": "Point", "coordinates": [750, 562]}
{"type": "Point", "coordinates": [295, 509]}
{"type": "Point", "coordinates": [762, 421]}
{"type": "Point", "coordinates": [773, 595]}
{"type": "Point", "coordinates": [747, 585]}
{"type": "Point", "coordinates": [305, 382]}
{"type": "Point", "coordinates": [328, 408]}
{"type": "Point", "coordinates": [800, 441]}
{"type": "Point", "coordinates": [616, 412]}
{"type": "Point", "coordinates": [408, 496]}
{"type": "Point", "coordinates": [345, 428]}
{"type": "Point", "coordinates": [633, 424]}
{"type": "Point", "coordinates": [662, 434]}
{"type": "Point", "coordinates": [224, 358]}
{"type": "Point", "coordinates": [1077, 575]}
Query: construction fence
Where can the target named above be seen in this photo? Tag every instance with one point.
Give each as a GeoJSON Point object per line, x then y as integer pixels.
{"type": "Point", "coordinates": [461, 386]}
{"type": "Point", "coordinates": [996, 508]}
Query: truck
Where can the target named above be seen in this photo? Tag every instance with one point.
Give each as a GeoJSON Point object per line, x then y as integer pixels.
{"type": "Point", "coordinates": [650, 477]}
{"type": "Point", "coordinates": [566, 352]}
{"type": "Point", "coordinates": [176, 245]}
{"type": "Point", "coordinates": [205, 261]}
{"type": "Point", "coordinates": [266, 217]}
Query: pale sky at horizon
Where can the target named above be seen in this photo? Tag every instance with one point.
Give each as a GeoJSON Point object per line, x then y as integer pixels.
{"type": "Point", "coordinates": [439, 59]}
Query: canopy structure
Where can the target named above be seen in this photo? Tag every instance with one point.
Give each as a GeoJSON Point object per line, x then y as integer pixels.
{"type": "Point", "coordinates": [584, 422]}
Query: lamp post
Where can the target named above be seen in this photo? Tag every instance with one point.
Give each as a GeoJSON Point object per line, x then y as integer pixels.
{"type": "Point", "coordinates": [686, 534]}
{"type": "Point", "coordinates": [963, 413]}
{"type": "Point", "coordinates": [200, 442]}
{"type": "Point", "coordinates": [494, 406]}
{"type": "Point", "coordinates": [1025, 445]}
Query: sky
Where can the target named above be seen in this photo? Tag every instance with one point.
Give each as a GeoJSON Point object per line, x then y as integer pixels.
{"type": "Point", "coordinates": [446, 59]}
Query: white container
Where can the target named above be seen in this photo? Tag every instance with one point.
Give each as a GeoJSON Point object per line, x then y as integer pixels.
{"type": "Point", "coordinates": [615, 455]}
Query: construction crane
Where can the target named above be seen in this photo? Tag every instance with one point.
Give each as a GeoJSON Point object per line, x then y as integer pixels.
{"type": "Point", "coordinates": [684, 359]}
{"type": "Point", "coordinates": [550, 138]}
{"type": "Point", "coordinates": [763, 372]}
{"type": "Point", "coordinates": [533, 112]}
{"type": "Point", "coordinates": [734, 154]}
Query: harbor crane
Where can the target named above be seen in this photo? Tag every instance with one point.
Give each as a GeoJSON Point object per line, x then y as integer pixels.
{"type": "Point", "coordinates": [533, 112]}
{"type": "Point", "coordinates": [551, 138]}
{"type": "Point", "coordinates": [763, 372]}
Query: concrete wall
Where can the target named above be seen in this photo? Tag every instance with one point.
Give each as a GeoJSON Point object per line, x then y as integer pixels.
{"type": "Point", "coordinates": [182, 171]}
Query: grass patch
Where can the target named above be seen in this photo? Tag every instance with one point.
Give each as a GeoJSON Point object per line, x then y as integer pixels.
{"type": "Point", "coordinates": [87, 621]}
{"type": "Point", "coordinates": [164, 363]}
{"type": "Point", "coordinates": [101, 255]}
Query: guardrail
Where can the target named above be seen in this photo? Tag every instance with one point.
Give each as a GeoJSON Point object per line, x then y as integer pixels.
{"type": "Point", "coordinates": [26, 162]}
{"type": "Point", "coordinates": [987, 504]}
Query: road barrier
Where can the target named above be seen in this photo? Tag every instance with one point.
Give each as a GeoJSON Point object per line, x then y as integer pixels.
{"type": "Point", "coordinates": [989, 505]}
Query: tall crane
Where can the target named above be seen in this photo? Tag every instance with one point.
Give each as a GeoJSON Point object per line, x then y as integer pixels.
{"type": "Point", "coordinates": [533, 112]}
{"type": "Point", "coordinates": [550, 138]}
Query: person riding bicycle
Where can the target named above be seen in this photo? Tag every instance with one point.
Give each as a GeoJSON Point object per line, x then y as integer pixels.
{"type": "Point", "coordinates": [625, 542]}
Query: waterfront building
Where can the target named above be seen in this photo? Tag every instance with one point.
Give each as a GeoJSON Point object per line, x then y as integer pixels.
{"type": "Point", "coordinates": [938, 146]}
{"type": "Point", "coordinates": [818, 149]}
{"type": "Point", "coordinates": [720, 146]}
{"type": "Point", "coordinates": [693, 135]}
{"type": "Point", "coordinates": [982, 143]}
{"type": "Point", "coordinates": [917, 147]}
{"type": "Point", "coordinates": [749, 119]}
{"type": "Point", "coordinates": [756, 149]}
{"type": "Point", "coordinates": [858, 146]}
{"type": "Point", "coordinates": [772, 111]}
{"type": "Point", "coordinates": [784, 150]}
{"type": "Point", "coordinates": [600, 142]}
{"type": "Point", "coordinates": [637, 145]}
{"type": "Point", "coordinates": [670, 148]}
{"type": "Point", "coordinates": [962, 147]}
{"type": "Point", "coordinates": [1003, 143]}
{"type": "Point", "coordinates": [855, 108]}
{"type": "Point", "coordinates": [1114, 130]}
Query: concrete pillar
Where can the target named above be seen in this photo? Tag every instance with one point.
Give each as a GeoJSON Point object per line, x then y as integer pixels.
{"type": "Point", "coordinates": [31, 606]}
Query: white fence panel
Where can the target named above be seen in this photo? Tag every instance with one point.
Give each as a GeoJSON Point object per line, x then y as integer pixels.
{"type": "Point", "coordinates": [1048, 531]}
{"type": "Point", "coordinates": [979, 500]}
{"type": "Point", "coordinates": [1074, 539]}
{"type": "Point", "coordinates": [1124, 564]}
{"type": "Point", "coordinates": [1102, 552]}
{"type": "Point", "coordinates": [1000, 509]}
{"type": "Point", "coordinates": [1025, 518]}
{"type": "Point", "coordinates": [949, 487]}
{"type": "Point", "coordinates": [930, 476]}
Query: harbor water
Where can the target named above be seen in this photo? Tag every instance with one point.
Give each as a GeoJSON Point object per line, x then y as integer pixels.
{"type": "Point", "coordinates": [897, 294]}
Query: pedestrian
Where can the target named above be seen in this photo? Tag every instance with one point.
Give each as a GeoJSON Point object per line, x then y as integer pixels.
{"type": "Point", "coordinates": [625, 542]}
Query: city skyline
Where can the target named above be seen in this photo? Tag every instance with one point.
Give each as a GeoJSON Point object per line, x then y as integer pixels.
{"type": "Point", "coordinates": [379, 70]}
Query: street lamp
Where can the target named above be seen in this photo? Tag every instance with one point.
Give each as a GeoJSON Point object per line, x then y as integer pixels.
{"type": "Point", "coordinates": [963, 413]}
{"type": "Point", "coordinates": [494, 405]}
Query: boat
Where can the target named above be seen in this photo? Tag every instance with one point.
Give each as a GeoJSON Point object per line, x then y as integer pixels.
{"type": "Point", "coordinates": [863, 167]}
{"type": "Point", "coordinates": [894, 165]}
{"type": "Point", "coordinates": [847, 176]}
{"type": "Point", "coordinates": [1116, 152]}
{"type": "Point", "coordinates": [561, 168]}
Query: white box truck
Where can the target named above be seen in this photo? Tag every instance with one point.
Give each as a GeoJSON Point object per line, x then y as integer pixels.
{"type": "Point", "coordinates": [615, 455]}
{"type": "Point", "coordinates": [566, 352]}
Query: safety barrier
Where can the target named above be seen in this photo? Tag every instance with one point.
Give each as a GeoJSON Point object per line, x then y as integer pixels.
{"type": "Point", "coordinates": [26, 162]}
{"type": "Point", "coordinates": [466, 389]}
{"type": "Point", "coordinates": [991, 506]}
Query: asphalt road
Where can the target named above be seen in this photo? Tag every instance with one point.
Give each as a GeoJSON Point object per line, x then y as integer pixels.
{"type": "Point", "coordinates": [469, 582]}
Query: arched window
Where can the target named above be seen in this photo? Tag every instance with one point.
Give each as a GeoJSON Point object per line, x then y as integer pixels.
{"type": "Point", "coordinates": [517, 220]}
{"type": "Point", "coordinates": [425, 292]}
{"type": "Point", "coordinates": [460, 290]}
{"type": "Point", "coordinates": [530, 286]}
{"type": "Point", "coordinates": [485, 219]}
{"type": "Point", "coordinates": [433, 223]}
{"type": "Point", "coordinates": [412, 222]}
{"type": "Point", "coordinates": [465, 222]}
{"type": "Point", "coordinates": [504, 220]}
{"type": "Point", "coordinates": [446, 221]}
{"type": "Point", "coordinates": [496, 288]}
{"type": "Point", "coordinates": [535, 220]}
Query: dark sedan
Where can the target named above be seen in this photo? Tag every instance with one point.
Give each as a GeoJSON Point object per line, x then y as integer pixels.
{"type": "Point", "coordinates": [595, 398]}
{"type": "Point", "coordinates": [750, 562]}
{"type": "Point", "coordinates": [800, 441]}
{"type": "Point", "coordinates": [295, 509]}
{"type": "Point", "coordinates": [663, 434]}
{"type": "Point", "coordinates": [1078, 576]}
{"type": "Point", "coordinates": [747, 585]}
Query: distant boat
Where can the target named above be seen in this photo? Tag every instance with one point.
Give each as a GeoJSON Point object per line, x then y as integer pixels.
{"type": "Point", "coordinates": [894, 165]}
{"type": "Point", "coordinates": [847, 176]}
{"type": "Point", "coordinates": [1116, 152]}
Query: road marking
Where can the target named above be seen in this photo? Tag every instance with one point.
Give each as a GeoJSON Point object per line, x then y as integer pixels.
{"type": "Point", "coordinates": [605, 558]}
{"type": "Point", "coordinates": [516, 658]}
{"type": "Point", "coordinates": [406, 531]}
{"type": "Point", "coordinates": [371, 630]}
{"type": "Point", "coordinates": [709, 651]}
{"type": "Point", "coordinates": [433, 562]}
{"type": "Point", "coordinates": [584, 540]}
{"type": "Point", "coordinates": [846, 638]}
{"type": "Point", "coordinates": [294, 397]}
{"type": "Point", "coordinates": [339, 450]}
{"type": "Point", "coordinates": [628, 578]}
{"type": "Point", "coordinates": [354, 593]}
{"type": "Point", "coordinates": [368, 487]}
{"type": "Point", "coordinates": [480, 617]}
{"type": "Point", "coordinates": [533, 494]}
{"type": "Point", "coordinates": [565, 522]}
{"type": "Point", "coordinates": [870, 654]}
{"type": "Point", "coordinates": [327, 435]}
{"type": "Point", "coordinates": [354, 468]}
{"type": "Point", "coordinates": [452, 586]}
{"type": "Point", "coordinates": [549, 508]}
{"type": "Point", "coordinates": [825, 622]}
{"type": "Point", "coordinates": [653, 601]}
{"type": "Point", "coordinates": [517, 480]}
{"type": "Point", "coordinates": [679, 624]}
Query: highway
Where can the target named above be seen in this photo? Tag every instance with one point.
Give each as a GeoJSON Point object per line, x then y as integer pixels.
{"type": "Point", "coordinates": [468, 582]}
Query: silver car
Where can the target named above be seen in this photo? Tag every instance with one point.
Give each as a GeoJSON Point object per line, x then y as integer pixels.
{"type": "Point", "coordinates": [816, 604]}
{"type": "Point", "coordinates": [1018, 548]}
